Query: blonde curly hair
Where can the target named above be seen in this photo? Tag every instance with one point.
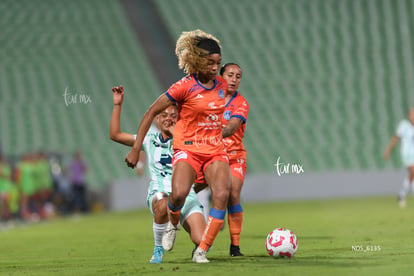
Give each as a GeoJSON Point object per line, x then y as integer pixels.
{"type": "Point", "coordinates": [191, 58]}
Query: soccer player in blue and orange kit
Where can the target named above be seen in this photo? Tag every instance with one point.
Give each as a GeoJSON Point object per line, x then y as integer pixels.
{"type": "Point", "coordinates": [197, 144]}
{"type": "Point", "coordinates": [234, 124]}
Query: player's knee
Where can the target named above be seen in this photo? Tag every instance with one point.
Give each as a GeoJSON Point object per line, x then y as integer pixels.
{"type": "Point", "coordinates": [177, 199]}
{"type": "Point", "coordinates": [221, 195]}
{"type": "Point", "coordinates": [234, 197]}
{"type": "Point", "coordinates": [161, 206]}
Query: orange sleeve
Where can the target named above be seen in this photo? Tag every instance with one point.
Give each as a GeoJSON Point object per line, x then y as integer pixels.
{"type": "Point", "coordinates": [178, 92]}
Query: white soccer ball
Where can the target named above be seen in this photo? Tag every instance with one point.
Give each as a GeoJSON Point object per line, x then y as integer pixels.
{"type": "Point", "coordinates": [281, 242]}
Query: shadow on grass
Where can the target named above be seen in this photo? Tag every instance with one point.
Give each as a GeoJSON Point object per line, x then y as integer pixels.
{"type": "Point", "coordinates": [303, 261]}
{"type": "Point", "coordinates": [260, 237]}
{"type": "Point", "coordinates": [316, 237]}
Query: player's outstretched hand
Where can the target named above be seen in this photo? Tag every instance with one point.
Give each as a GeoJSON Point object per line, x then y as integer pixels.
{"type": "Point", "coordinates": [118, 94]}
{"type": "Point", "coordinates": [132, 158]}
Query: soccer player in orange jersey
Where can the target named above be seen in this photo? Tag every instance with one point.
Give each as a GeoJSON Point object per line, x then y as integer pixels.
{"type": "Point", "coordinates": [197, 143]}
{"type": "Point", "coordinates": [234, 124]}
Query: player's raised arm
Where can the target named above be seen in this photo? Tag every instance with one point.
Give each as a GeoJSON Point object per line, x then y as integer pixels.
{"type": "Point", "coordinates": [115, 133]}
{"type": "Point", "coordinates": [159, 105]}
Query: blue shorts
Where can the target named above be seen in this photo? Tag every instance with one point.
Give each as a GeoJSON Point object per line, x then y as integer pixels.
{"type": "Point", "coordinates": [192, 204]}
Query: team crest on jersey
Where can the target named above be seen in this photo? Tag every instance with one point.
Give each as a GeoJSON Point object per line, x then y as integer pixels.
{"type": "Point", "coordinates": [227, 115]}
{"type": "Point", "coordinates": [221, 93]}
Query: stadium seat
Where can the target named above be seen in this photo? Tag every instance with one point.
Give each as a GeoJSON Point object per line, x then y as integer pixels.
{"type": "Point", "coordinates": [85, 47]}
{"type": "Point", "coordinates": [326, 81]}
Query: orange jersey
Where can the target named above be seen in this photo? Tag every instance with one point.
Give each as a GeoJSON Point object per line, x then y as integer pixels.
{"type": "Point", "coordinates": [237, 107]}
{"type": "Point", "coordinates": [198, 128]}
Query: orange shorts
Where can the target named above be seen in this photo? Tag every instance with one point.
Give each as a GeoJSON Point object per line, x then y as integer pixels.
{"type": "Point", "coordinates": [198, 161]}
{"type": "Point", "coordinates": [238, 168]}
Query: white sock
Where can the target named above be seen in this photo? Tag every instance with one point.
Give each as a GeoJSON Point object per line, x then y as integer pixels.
{"type": "Point", "coordinates": [404, 189]}
{"type": "Point", "coordinates": [204, 198]}
{"type": "Point", "coordinates": [159, 230]}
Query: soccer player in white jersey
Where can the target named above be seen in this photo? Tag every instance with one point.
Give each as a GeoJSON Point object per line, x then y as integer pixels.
{"type": "Point", "coordinates": [158, 149]}
{"type": "Point", "coordinates": [405, 133]}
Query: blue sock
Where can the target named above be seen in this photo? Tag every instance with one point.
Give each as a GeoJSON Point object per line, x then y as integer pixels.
{"type": "Point", "coordinates": [218, 214]}
{"type": "Point", "coordinates": [235, 209]}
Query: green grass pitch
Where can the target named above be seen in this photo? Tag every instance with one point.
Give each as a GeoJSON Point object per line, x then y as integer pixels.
{"type": "Point", "coordinates": [361, 236]}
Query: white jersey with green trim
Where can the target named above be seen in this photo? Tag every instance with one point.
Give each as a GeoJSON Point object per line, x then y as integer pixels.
{"type": "Point", "coordinates": [159, 161]}
{"type": "Point", "coordinates": [406, 133]}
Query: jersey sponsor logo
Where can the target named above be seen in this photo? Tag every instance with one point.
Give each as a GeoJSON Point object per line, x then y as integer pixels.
{"type": "Point", "coordinates": [227, 115]}
{"type": "Point", "coordinates": [221, 93]}
{"type": "Point", "coordinates": [212, 122]}
{"type": "Point", "coordinates": [199, 96]}
{"type": "Point", "coordinates": [212, 117]}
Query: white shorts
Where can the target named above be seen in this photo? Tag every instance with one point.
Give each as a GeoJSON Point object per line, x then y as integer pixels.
{"type": "Point", "coordinates": [408, 160]}
{"type": "Point", "coordinates": [192, 204]}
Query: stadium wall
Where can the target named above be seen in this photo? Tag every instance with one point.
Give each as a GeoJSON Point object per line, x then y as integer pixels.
{"type": "Point", "coordinates": [131, 193]}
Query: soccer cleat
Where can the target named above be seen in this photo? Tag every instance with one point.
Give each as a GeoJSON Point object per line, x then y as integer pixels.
{"type": "Point", "coordinates": [235, 251]}
{"type": "Point", "coordinates": [401, 202]}
{"type": "Point", "coordinates": [157, 255]}
{"type": "Point", "coordinates": [199, 256]}
{"type": "Point", "coordinates": [192, 252]}
{"type": "Point", "coordinates": [168, 239]}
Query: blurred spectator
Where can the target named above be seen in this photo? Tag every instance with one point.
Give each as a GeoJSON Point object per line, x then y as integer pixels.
{"type": "Point", "coordinates": [5, 188]}
{"type": "Point", "coordinates": [26, 183]}
{"type": "Point", "coordinates": [44, 186]}
{"type": "Point", "coordinates": [77, 176]}
{"type": "Point", "coordinates": [37, 186]}
{"type": "Point", "coordinates": [62, 192]}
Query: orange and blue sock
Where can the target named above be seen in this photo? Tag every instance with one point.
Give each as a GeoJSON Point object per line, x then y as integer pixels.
{"type": "Point", "coordinates": [235, 220]}
{"type": "Point", "coordinates": [214, 224]}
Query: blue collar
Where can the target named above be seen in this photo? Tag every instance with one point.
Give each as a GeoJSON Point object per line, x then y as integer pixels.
{"type": "Point", "coordinates": [232, 98]}
{"type": "Point", "coordinates": [199, 83]}
{"type": "Point", "coordinates": [162, 139]}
